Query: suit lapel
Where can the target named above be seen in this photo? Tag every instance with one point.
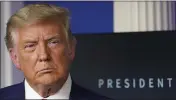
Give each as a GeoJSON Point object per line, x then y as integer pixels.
{"type": "Point", "coordinates": [20, 92]}
{"type": "Point", "coordinates": [75, 92]}
{"type": "Point", "coordinates": [16, 93]}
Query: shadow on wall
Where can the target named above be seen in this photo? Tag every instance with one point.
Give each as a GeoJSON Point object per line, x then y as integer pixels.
{"type": "Point", "coordinates": [131, 56]}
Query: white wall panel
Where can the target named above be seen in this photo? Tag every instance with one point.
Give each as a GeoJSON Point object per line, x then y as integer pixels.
{"type": "Point", "coordinates": [144, 16]}
{"type": "Point", "coordinates": [9, 74]}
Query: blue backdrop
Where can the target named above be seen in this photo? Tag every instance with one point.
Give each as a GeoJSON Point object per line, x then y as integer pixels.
{"type": "Point", "coordinates": [87, 16]}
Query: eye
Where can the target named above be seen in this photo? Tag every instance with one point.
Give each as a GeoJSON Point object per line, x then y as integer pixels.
{"type": "Point", "coordinates": [54, 41]}
{"type": "Point", "coordinates": [30, 46]}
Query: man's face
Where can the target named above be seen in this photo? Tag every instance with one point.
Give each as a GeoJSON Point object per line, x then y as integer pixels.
{"type": "Point", "coordinates": [42, 53]}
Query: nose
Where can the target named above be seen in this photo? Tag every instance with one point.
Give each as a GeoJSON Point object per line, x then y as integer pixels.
{"type": "Point", "coordinates": [43, 52]}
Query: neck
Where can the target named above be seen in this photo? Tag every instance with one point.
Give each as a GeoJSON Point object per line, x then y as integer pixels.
{"type": "Point", "coordinates": [48, 90]}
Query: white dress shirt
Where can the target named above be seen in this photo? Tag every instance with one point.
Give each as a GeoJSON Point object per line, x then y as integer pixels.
{"type": "Point", "coordinates": [63, 93]}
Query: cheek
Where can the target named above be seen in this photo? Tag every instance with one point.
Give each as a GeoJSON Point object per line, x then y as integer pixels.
{"type": "Point", "coordinates": [60, 58]}
{"type": "Point", "coordinates": [27, 62]}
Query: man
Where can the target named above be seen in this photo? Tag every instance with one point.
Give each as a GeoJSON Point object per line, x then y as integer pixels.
{"type": "Point", "coordinates": [41, 45]}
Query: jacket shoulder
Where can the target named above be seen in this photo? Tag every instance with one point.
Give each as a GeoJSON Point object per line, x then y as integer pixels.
{"type": "Point", "coordinates": [80, 93]}
{"type": "Point", "coordinates": [13, 91]}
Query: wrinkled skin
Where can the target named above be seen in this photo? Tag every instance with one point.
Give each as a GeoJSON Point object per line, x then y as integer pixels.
{"type": "Point", "coordinates": [42, 53]}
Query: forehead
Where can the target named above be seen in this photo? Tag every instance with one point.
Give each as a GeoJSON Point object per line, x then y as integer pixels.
{"type": "Point", "coordinates": [41, 29]}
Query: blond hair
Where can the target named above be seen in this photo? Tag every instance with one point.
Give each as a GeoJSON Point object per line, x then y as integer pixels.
{"type": "Point", "coordinates": [33, 13]}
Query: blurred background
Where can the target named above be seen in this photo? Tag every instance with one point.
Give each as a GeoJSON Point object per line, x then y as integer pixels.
{"type": "Point", "coordinates": [95, 17]}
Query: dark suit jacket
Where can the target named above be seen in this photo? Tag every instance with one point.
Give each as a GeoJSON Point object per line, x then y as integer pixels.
{"type": "Point", "coordinates": [17, 92]}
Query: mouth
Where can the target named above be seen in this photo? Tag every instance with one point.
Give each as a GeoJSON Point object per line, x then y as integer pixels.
{"type": "Point", "coordinates": [46, 70]}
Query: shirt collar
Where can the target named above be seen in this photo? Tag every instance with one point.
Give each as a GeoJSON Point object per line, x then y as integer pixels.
{"type": "Point", "coordinates": [63, 93]}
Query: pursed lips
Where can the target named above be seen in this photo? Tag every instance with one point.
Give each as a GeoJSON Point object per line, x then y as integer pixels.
{"type": "Point", "coordinates": [45, 70]}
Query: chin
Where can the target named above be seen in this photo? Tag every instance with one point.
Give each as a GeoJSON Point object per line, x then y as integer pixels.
{"type": "Point", "coordinates": [49, 79]}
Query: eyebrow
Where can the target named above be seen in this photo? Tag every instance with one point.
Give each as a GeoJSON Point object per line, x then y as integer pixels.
{"type": "Point", "coordinates": [53, 37]}
{"type": "Point", "coordinates": [49, 38]}
{"type": "Point", "coordinates": [30, 40]}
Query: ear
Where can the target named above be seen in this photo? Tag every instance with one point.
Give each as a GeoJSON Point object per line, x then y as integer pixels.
{"type": "Point", "coordinates": [72, 49]}
{"type": "Point", "coordinates": [14, 57]}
